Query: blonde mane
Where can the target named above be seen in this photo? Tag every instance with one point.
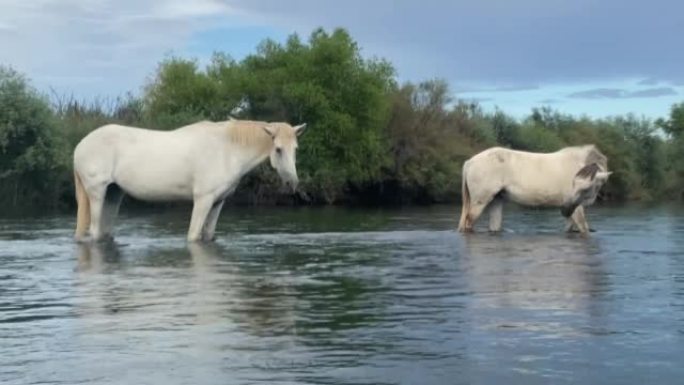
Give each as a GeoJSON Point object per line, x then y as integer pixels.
{"type": "Point", "coordinates": [247, 132]}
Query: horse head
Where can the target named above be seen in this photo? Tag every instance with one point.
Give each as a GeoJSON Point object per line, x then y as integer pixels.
{"type": "Point", "coordinates": [284, 150]}
{"type": "Point", "coordinates": [585, 187]}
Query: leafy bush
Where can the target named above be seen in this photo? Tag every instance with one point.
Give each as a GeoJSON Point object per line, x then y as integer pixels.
{"type": "Point", "coordinates": [369, 139]}
{"type": "Point", "coordinates": [31, 154]}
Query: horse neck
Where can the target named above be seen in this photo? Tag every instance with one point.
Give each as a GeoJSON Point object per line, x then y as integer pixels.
{"type": "Point", "coordinates": [252, 155]}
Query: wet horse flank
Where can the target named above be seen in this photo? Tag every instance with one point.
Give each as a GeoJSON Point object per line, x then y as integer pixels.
{"type": "Point", "coordinates": [202, 162]}
{"type": "Point", "coordinates": [569, 179]}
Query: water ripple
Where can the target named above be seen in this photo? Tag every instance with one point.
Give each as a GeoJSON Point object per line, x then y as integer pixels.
{"type": "Point", "coordinates": [329, 296]}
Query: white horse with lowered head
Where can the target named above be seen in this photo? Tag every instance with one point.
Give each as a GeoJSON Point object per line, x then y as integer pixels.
{"type": "Point", "coordinates": [202, 162]}
{"type": "Point", "coordinates": [569, 179]}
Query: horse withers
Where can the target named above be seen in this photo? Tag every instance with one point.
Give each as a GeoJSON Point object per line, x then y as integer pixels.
{"type": "Point", "coordinates": [202, 162]}
{"type": "Point", "coordinates": [569, 179]}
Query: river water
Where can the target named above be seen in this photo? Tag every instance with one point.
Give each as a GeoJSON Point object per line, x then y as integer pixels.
{"type": "Point", "coordinates": [346, 296]}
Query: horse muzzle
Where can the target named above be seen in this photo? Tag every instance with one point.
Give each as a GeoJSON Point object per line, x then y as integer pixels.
{"type": "Point", "coordinates": [291, 185]}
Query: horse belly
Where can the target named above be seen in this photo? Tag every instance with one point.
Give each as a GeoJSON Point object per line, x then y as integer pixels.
{"type": "Point", "coordinates": [534, 197]}
{"type": "Point", "coordinates": [155, 182]}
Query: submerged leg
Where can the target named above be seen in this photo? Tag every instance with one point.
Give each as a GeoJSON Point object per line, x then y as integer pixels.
{"type": "Point", "coordinates": [479, 200]}
{"type": "Point", "coordinates": [212, 219]}
{"type": "Point", "coordinates": [110, 209]}
{"type": "Point", "coordinates": [495, 215]}
{"type": "Point", "coordinates": [96, 196]}
{"type": "Point", "coordinates": [579, 221]}
{"type": "Point", "coordinates": [200, 210]}
{"type": "Point", "coordinates": [476, 209]}
{"type": "Point", "coordinates": [83, 211]}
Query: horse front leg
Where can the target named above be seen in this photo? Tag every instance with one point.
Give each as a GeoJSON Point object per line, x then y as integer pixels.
{"type": "Point", "coordinates": [210, 225]}
{"type": "Point", "coordinates": [578, 221]}
{"type": "Point", "coordinates": [200, 210]}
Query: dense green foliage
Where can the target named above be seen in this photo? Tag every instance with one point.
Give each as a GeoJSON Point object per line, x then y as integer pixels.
{"type": "Point", "coordinates": [325, 83]}
{"type": "Point", "coordinates": [30, 151]}
{"type": "Point", "coordinates": [369, 138]}
{"type": "Point", "coordinates": [674, 151]}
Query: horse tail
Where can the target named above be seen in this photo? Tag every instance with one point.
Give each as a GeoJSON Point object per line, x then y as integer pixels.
{"type": "Point", "coordinates": [83, 213]}
{"type": "Point", "coordinates": [465, 197]}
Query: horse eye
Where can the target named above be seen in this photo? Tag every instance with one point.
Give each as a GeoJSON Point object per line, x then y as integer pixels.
{"type": "Point", "coordinates": [279, 151]}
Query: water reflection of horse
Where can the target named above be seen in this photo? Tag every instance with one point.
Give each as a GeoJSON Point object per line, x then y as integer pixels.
{"type": "Point", "coordinates": [210, 287]}
{"type": "Point", "coordinates": [94, 258]}
{"type": "Point", "coordinates": [536, 272]}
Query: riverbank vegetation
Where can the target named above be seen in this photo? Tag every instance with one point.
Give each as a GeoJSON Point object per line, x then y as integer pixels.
{"type": "Point", "coordinates": [370, 139]}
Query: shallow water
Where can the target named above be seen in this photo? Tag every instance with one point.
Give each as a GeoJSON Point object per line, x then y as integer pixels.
{"type": "Point", "coordinates": [333, 296]}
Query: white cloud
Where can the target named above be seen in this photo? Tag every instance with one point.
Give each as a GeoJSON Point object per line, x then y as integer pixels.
{"type": "Point", "coordinates": [107, 47]}
{"type": "Point", "coordinates": [6, 27]}
{"type": "Point", "coordinates": [182, 9]}
{"type": "Point", "coordinates": [93, 47]}
{"type": "Point", "coordinates": [493, 42]}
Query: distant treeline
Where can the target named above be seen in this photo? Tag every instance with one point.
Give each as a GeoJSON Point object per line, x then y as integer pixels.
{"type": "Point", "coordinates": [370, 139]}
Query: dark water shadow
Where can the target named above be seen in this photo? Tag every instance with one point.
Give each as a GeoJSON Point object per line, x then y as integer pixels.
{"type": "Point", "coordinates": [97, 257]}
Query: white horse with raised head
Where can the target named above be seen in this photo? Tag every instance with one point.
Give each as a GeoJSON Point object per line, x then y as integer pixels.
{"type": "Point", "coordinates": [569, 179]}
{"type": "Point", "coordinates": [202, 162]}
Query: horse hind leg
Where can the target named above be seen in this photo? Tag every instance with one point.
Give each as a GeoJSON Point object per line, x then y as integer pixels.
{"type": "Point", "coordinates": [480, 198]}
{"type": "Point", "coordinates": [113, 197]}
{"type": "Point", "coordinates": [496, 215]}
{"type": "Point", "coordinates": [474, 213]}
{"type": "Point", "coordinates": [83, 210]}
{"type": "Point", "coordinates": [477, 207]}
{"type": "Point", "coordinates": [96, 197]}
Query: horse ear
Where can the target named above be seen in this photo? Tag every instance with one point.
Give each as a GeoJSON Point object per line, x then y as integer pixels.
{"type": "Point", "coordinates": [269, 130]}
{"type": "Point", "coordinates": [299, 130]}
{"type": "Point", "coordinates": [602, 176]}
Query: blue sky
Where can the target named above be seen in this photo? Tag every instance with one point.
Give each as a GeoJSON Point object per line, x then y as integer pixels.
{"type": "Point", "coordinates": [585, 57]}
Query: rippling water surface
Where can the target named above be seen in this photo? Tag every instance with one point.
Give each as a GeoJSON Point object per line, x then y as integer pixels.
{"type": "Point", "coordinates": [335, 296]}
